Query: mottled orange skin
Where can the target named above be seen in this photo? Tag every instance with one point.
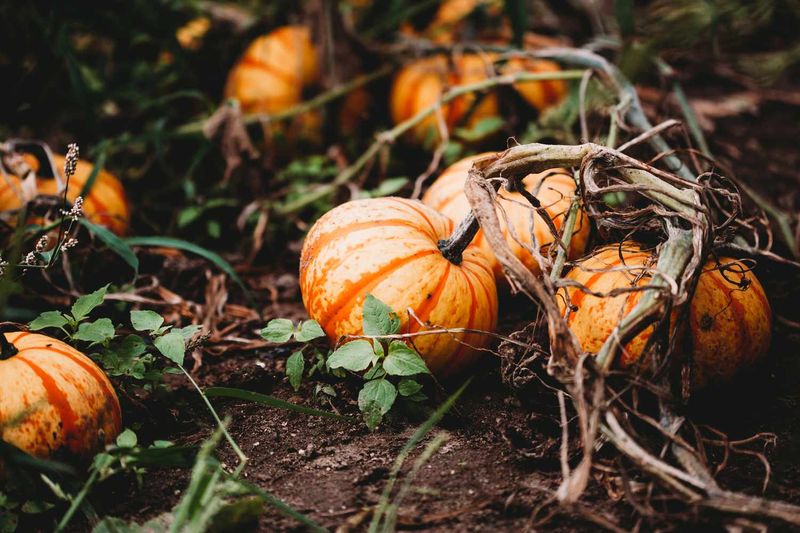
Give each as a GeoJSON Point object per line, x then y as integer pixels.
{"type": "Point", "coordinates": [423, 82]}
{"type": "Point", "coordinates": [271, 75]}
{"type": "Point", "coordinates": [105, 205]}
{"type": "Point", "coordinates": [593, 318]}
{"type": "Point", "coordinates": [729, 322]}
{"type": "Point", "coordinates": [543, 94]}
{"type": "Point", "coordinates": [387, 247]}
{"type": "Point", "coordinates": [555, 190]}
{"type": "Point", "coordinates": [55, 400]}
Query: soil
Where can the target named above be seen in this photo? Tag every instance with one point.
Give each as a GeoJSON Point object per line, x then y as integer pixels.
{"type": "Point", "coordinates": [499, 465]}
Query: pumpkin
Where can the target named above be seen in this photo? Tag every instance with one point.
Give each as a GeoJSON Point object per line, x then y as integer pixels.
{"type": "Point", "coordinates": [53, 399]}
{"type": "Point", "coordinates": [423, 82]}
{"type": "Point", "coordinates": [554, 189]}
{"type": "Point", "coordinates": [387, 247]}
{"type": "Point", "coordinates": [105, 204]}
{"type": "Point", "coordinates": [729, 320]}
{"type": "Point", "coordinates": [447, 21]}
{"type": "Point", "coordinates": [273, 72]}
{"type": "Point", "coordinates": [542, 94]}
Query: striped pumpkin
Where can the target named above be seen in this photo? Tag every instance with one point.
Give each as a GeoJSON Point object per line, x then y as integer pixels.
{"type": "Point", "coordinates": [540, 95]}
{"type": "Point", "coordinates": [105, 204]}
{"type": "Point", "coordinates": [449, 17]}
{"type": "Point", "coordinates": [423, 82]}
{"type": "Point", "coordinates": [554, 189]}
{"type": "Point", "coordinates": [272, 74]}
{"type": "Point", "coordinates": [54, 399]}
{"type": "Point", "coordinates": [387, 247]}
{"type": "Point", "coordinates": [729, 323]}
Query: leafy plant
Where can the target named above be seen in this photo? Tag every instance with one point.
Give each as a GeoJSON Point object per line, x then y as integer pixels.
{"type": "Point", "coordinates": [131, 355]}
{"type": "Point", "coordinates": [388, 366]}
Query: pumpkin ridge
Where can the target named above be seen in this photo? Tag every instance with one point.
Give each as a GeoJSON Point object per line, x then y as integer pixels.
{"type": "Point", "coordinates": [268, 68]}
{"type": "Point", "coordinates": [739, 313]}
{"type": "Point", "coordinates": [326, 238]}
{"type": "Point", "coordinates": [18, 337]}
{"type": "Point", "coordinates": [486, 292]}
{"type": "Point", "coordinates": [429, 304]}
{"type": "Point", "coordinates": [462, 346]}
{"type": "Point", "coordinates": [58, 399]}
{"type": "Point", "coordinates": [420, 212]}
{"type": "Point", "coordinates": [96, 373]}
{"type": "Point", "coordinates": [367, 282]}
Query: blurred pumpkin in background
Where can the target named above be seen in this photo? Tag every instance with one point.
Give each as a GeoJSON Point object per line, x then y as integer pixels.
{"type": "Point", "coordinates": [539, 94]}
{"type": "Point", "coordinates": [271, 76]}
{"type": "Point", "coordinates": [555, 189]}
{"type": "Point", "coordinates": [422, 83]}
{"type": "Point", "coordinates": [104, 203]}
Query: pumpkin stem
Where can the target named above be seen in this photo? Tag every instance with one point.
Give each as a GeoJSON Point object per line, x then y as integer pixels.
{"type": "Point", "coordinates": [453, 248]}
{"type": "Point", "coordinates": [7, 349]}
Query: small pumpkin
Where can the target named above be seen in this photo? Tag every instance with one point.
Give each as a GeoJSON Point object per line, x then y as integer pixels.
{"type": "Point", "coordinates": [54, 399]}
{"type": "Point", "coordinates": [542, 94]}
{"type": "Point", "coordinates": [449, 17]}
{"type": "Point", "coordinates": [272, 74]}
{"type": "Point", "coordinates": [423, 82]}
{"type": "Point", "coordinates": [105, 204]}
{"type": "Point", "coordinates": [388, 247]}
{"type": "Point", "coordinates": [729, 321]}
{"type": "Point", "coordinates": [555, 190]}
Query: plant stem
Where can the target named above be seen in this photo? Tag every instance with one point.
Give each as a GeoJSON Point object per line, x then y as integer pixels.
{"type": "Point", "coordinates": [390, 136]}
{"type": "Point", "coordinates": [568, 229]}
{"type": "Point", "coordinates": [196, 128]}
{"type": "Point", "coordinates": [453, 248]}
{"type": "Point", "coordinates": [239, 453]}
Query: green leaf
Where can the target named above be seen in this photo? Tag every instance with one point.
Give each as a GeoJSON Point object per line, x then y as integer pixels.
{"type": "Point", "coordinates": [354, 356]}
{"type": "Point", "coordinates": [172, 346]}
{"type": "Point", "coordinates": [127, 439]}
{"type": "Point", "coordinates": [263, 399]}
{"type": "Point", "coordinates": [186, 246]}
{"type": "Point", "coordinates": [379, 391]}
{"type": "Point", "coordinates": [403, 361]}
{"type": "Point", "coordinates": [372, 415]}
{"type": "Point", "coordinates": [278, 330]}
{"type": "Point", "coordinates": [99, 331]}
{"type": "Point", "coordinates": [379, 319]}
{"type": "Point", "coordinates": [375, 372]}
{"type": "Point", "coordinates": [295, 365]}
{"type": "Point", "coordinates": [85, 304]}
{"type": "Point", "coordinates": [48, 319]}
{"type": "Point", "coordinates": [387, 187]}
{"type": "Point", "coordinates": [114, 243]}
{"type": "Point", "coordinates": [408, 387]}
{"type": "Point", "coordinates": [483, 128]}
{"type": "Point", "coordinates": [308, 331]}
{"type": "Point", "coordinates": [146, 320]}
{"type": "Point", "coordinates": [189, 331]}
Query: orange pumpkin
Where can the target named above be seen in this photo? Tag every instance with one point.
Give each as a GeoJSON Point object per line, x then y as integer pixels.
{"type": "Point", "coordinates": [729, 323]}
{"type": "Point", "coordinates": [387, 247]}
{"type": "Point", "coordinates": [273, 72]}
{"type": "Point", "coordinates": [554, 189]}
{"type": "Point", "coordinates": [539, 94]}
{"type": "Point", "coordinates": [449, 17]}
{"type": "Point", "coordinates": [105, 204]}
{"type": "Point", "coordinates": [54, 399]}
{"type": "Point", "coordinates": [423, 82]}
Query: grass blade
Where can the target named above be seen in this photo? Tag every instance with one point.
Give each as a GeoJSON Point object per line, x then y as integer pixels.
{"type": "Point", "coordinates": [263, 399]}
{"type": "Point", "coordinates": [283, 507]}
{"type": "Point", "coordinates": [186, 246]}
{"type": "Point", "coordinates": [117, 245]}
{"type": "Point", "coordinates": [418, 435]}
